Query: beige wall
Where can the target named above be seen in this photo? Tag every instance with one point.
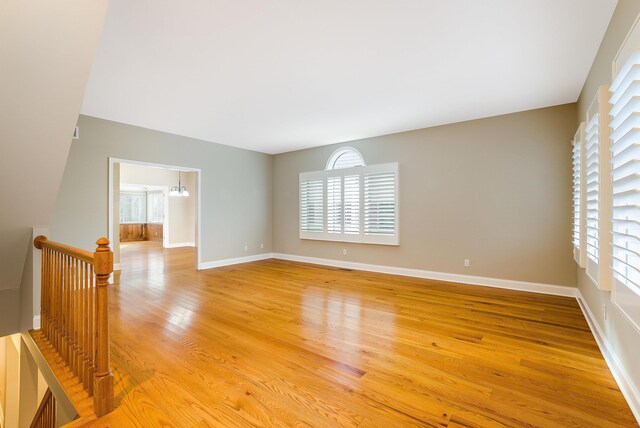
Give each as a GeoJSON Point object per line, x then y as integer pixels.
{"type": "Point", "coordinates": [46, 51]}
{"type": "Point", "coordinates": [236, 187]}
{"type": "Point", "coordinates": [624, 339]}
{"type": "Point", "coordinates": [495, 191]}
{"type": "Point", "coordinates": [182, 210]}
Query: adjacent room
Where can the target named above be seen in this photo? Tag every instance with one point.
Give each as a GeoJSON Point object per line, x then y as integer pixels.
{"type": "Point", "coordinates": [320, 214]}
{"type": "Point", "coordinates": [152, 210]}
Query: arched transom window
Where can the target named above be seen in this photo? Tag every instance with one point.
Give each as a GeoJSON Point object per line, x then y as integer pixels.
{"type": "Point", "coordinates": [345, 157]}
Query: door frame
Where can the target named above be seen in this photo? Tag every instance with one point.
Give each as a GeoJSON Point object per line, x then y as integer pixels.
{"type": "Point", "coordinates": [198, 172]}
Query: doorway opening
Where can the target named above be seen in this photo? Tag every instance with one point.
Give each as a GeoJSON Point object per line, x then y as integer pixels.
{"type": "Point", "coordinates": [154, 209]}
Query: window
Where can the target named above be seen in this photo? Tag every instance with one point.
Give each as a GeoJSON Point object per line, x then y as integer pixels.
{"type": "Point", "coordinates": [155, 207]}
{"type": "Point", "coordinates": [345, 157]}
{"type": "Point", "coordinates": [592, 191]}
{"type": "Point", "coordinates": [625, 149]}
{"type": "Point", "coordinates": [141, 207]}
{"type": "Point", "coordinates": [311, 204]}
{"type": "Point", "coordinates": [133, 207]}
{"type": "Point", "coordinates": [578, 197]}
{"type": "Point", "coordinates": [350, 202]}
{"type": "Point", "coordinates": [598, 191]}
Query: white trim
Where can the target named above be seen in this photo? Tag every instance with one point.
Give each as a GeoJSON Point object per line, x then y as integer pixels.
{"type": "Point", "coordinates": [623, 47]}
{"type": "Point", "coordinates": [180, 244]}
{"type": "Point", "coordinates": [36, 322]}
{"type": "Point", "coordinates": [626, 384]}
{"type": "Point", "coordinates": [116, 266]}
{"type": "Point", "coordinates": [533, 287]}
{"type": "Point", "coordinates": [235, 261]}
{"type": "Point", "coordinates": [182, 168]}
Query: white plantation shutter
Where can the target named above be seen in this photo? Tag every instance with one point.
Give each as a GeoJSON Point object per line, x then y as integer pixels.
{"type": "Point", "coordinates": [577, 153]}
{"type": "Point", "coordinates": [625, 149]}
{"type": "Point", "coordinates": [352, 204]}
{"type": "Point", "coordinates": [361, 204]}
{"type": "Point", "coordinates": [380, 203]}
{"type": "Point", "coordinates": [592, 195]}
{"type": "Point", "coordinates": [598, 191]}
{"type": "Point", "coordinates": [334, 204]}
{"type": "Point", "coordinates": [311, 204]}
{"type": "Point", "coordinates": [579, 197]}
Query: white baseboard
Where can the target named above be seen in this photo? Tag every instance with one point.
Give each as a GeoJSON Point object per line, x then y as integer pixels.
{"type": "Point", "coordinates": [36, 322]}
{"type": "Point", "coordinates": [534, 287]}
{"type": "Point", "coordinates": [626, 384]}
{"type": "Point", "coordinates": [179, 244]}
{"type": "Point", "coordinates": [237, 260]}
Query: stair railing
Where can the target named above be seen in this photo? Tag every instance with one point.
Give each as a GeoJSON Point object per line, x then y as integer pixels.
{"type": "Point", "coordinates": [47, 413]}
{"type": "Point", "coordinates": [75, 313]}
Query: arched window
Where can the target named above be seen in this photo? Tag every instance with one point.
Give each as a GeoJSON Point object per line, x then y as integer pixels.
{"type": "Point", "coordinates": [345, 157]}
{"type": "Point", "coordinates": [350, 201]}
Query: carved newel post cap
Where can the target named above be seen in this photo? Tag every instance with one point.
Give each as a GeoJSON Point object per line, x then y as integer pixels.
{"type": "Point", "coordinates": [103, 244]}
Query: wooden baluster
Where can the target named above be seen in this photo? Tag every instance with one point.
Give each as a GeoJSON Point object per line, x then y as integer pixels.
{"type": "Point", "coordinates": [59, 290]}
{"type": "Point", "coordinates": [44, 289]}
{"type": "Point", "coordinates": [44, 297]}
{"type": "Point", "coordinates": [56, 299]}
{"type": "Point", "coordinates": [65, 288]}
{"type": "Point", "coordinates": [103, 384]}
{"type": "Point", "coordinates": [85, 326]}
{"type": "Point", "coordinates": [74, 317]}
{"type": "Point", "coordinates": [69, 312]}
{"type": "Point", "coordinates": [78, 312]}
{"type": "Point", "coordinates": [92, 331]}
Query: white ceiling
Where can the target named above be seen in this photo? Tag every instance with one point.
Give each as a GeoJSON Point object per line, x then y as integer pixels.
{"type": "Point", "coordinates": [275, 76]}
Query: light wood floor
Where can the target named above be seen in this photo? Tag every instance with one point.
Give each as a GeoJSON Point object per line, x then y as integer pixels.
{"type": "Point", "coordinates": [276, 343]}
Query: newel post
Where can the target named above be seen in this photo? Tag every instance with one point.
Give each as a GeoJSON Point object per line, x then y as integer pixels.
{"type": "Point", "coordinates": [103, 378]}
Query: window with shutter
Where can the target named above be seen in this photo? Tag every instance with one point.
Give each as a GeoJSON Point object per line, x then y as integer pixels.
{"type": "Point", "coordinates": [352, 204]}
{"type": "Point", "coordinates": [361, 202]}
{"type": "Point", "coordinates": [625, 150]}
{"type": "Point", "coordinates": [598, 191]}
{"type": "Point", "coordinates": [576, 198]}
{"type": "Point", "coordinates": [579, 198]}
{"type": "Point", "coordinates": [592, 191]}
{"type": "Point", "coordinates": [311, 204]}
{"type": "Point", "coordinates": [379, 203]}
{"type": "Point", "coordinates": [334, 204]}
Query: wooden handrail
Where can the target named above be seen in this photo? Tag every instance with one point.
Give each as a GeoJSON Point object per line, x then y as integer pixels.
{"type": "Point", "coordinates": [76, 253]}
{"type": "Point", "coordinates": [46, 415]}
{"type": "Point", "coordinates": [75, 313]}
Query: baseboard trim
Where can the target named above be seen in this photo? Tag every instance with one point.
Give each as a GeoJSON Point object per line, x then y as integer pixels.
{"type": "Point", "coordinates": [533, 287]}
{"type": "Point", "coordinates": [627, 386]}
{"type": "Point", "coordinates": [234, 261]}
{"type": "Point", "coordinates": [36, 322]}
{"type": "Point", "coordinates": [180, 244]}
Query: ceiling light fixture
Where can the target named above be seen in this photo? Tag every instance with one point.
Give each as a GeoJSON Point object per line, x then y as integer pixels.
{"type": "Point", "coordinates": [179, 190]}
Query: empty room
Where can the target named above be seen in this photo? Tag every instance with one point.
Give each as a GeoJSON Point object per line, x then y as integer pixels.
{"type": "Point", "coordinates": [365, 213]}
